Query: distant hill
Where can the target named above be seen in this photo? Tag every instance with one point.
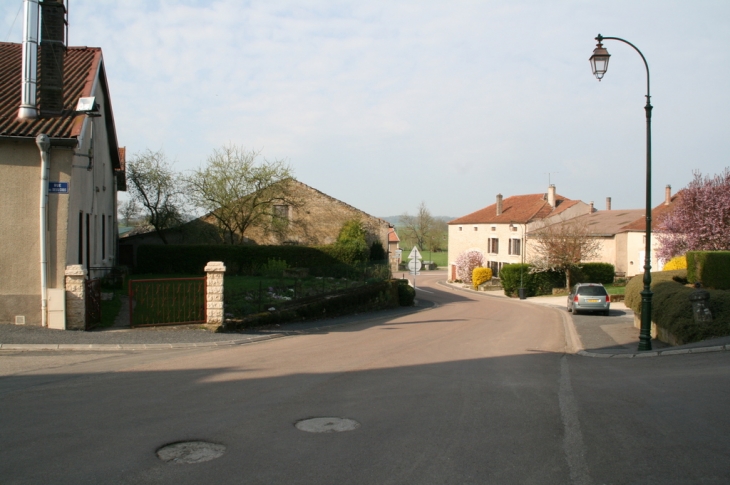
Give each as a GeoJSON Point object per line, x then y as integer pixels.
{"type": "Point", "coordinates": [395, 220]}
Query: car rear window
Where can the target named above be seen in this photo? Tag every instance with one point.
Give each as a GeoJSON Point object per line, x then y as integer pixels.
{"type": "Point", "coordinates": [592, 290]}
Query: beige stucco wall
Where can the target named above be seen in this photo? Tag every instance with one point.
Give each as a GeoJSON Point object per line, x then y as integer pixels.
{"type": "Point", "coordinates": [606, 252]}
{"type": "Point", "coordinates": [91, 191]}
{"type": "Point", "coordinates": [635, 247]}
{"type": "Point", "coordinates": [20, 273]}
{"type": "Point", "coordinates": [473, 237]}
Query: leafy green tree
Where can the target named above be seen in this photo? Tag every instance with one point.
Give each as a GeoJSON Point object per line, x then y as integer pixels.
{"type": "Point", "coordinates": [240, 191]}
{"type": "Point", "coordinates": [351, 242]}
{"type": "Point", "coordinates": [155, 186]}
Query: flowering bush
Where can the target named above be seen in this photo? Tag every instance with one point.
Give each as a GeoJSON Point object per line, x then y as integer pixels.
{"type": "Point", "coordinates": [679, 262]}
{"type": "Point", "coordinates": [465, 264]}
{"type": "Point", "coordinates": [480, 275]}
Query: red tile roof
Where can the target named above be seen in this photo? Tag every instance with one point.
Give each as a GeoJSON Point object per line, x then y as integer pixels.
{"type": "Point", "coordinates": [80, 67]}
{"type": "Point", "coordinates": [392, 236]}
{"type": "Point", "coordinates": [518, 209]}
{"type": "Point", "coordinates": [83, 66]}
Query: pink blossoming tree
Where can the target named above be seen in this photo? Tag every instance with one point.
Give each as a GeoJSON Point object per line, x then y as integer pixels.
{"type": "Point", "coordinates": [700, 220]}
{"type": "Point", "coordinates": [465, 264]}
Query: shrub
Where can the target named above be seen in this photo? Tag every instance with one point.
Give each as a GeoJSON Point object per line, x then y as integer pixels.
{"type": "Point", "coordinates": [636, 285]}
{"type": "Point", "coordinates": [595, 273]}
{"type": "Point", "coordinates": [406, 293]}
{"type": "Point", "coordinates": [677, 262]}
{"type": "Point", "coordinates": [377, 253]}
{"type": "Point", "coordinates": [248, 260]}
{"type": "Point", "coordinates": [465, 264]}
{"type": "Point", "coordinates": [274, 268]}
{"type": "Point", "coordinates": [712, 268]}
{"type": "Point", "coordinates": [480, 275]}
{"type": "Point", "coordinates": [534, 283]}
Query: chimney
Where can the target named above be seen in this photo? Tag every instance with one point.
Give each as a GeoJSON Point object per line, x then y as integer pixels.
{"type": "Point", "coordinates": [28, 109]}
{"type": "Point", "coordinates": [608, 203]}
{"type": "Point", "coordinates": [499, 204]}
{"type": "Point", "coordinates": [551, 195]}
{"type": "Point", "coordinates": [53, 52]}
{"type": "Point", "coordinates": [668, 195]}
{"type": "Point", "coordinates": [590, 211]}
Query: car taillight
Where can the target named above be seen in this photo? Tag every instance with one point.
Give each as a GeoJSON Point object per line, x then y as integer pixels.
{"type": "Point", "coordinates": [608, 298]}
{"type": "Point", "coordinates": [575, 298]}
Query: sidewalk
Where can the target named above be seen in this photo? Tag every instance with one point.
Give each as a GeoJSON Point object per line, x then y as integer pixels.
{"type": "Point", "coordinates": [121, 337]}
{"type": "Point", "coordinates": [613, 336]}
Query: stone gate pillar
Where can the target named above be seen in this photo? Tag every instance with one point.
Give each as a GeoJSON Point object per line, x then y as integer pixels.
{"type": "Point", "coordinates": [75, 297]}
{"type": "Point", "coordinates": [214, 292]}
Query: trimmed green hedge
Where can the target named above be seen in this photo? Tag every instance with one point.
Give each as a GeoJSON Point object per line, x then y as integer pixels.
{"type": "Point", "coordinates": [671, 308]}
{"type": "Point", "coordinates": [595, 273]}
{"type": "Point", "coordinates": [245, 260]}
{"type": "Point", "coordinates": [534, 283]}
{"type": "Point", "coordinates": [636, 285]}
{"type": "Point", "coordinates": [712, 268]}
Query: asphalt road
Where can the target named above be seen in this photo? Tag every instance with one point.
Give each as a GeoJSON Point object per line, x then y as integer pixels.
{"type": "Point", "coordinates": [475, 390]}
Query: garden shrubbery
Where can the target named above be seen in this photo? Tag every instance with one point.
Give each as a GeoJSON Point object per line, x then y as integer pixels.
{"type": "Point", "coordinates": [671, 308]}
{"type": "Point", "coordinates": [383, 294]}
{"type": "Point", "coordinates": [534, 283]}
{"type": "Point", "coordinates": [594, 273]}
{"type": "Point", "coordinates": [712, 268]}
{"type": "Point", "coordinates": [334, 260]}
{"type": "Point", "coordinates": [480, 276]}
{"type": "Point", "coordinates": [678, 262]}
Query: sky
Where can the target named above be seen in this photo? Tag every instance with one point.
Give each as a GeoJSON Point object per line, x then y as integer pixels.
{"type": "Point", "coordinates": [387, 104]}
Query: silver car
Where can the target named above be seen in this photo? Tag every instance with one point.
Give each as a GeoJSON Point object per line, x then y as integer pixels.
{"type": "Point", "coordinates": [589, 297]}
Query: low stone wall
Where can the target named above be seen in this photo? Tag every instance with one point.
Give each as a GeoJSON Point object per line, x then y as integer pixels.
{"type": "Point", "coordinates": [657, 332]}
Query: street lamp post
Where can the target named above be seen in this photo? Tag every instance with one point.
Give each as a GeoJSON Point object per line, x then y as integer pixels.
{"type": "Point", "coordinates": [599, 63]}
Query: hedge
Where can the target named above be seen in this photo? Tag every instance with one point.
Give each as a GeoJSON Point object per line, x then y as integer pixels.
{"type": "Point", "coordinates": [534, 283]}
{"type": "Point", "coordinates": [245, 260]}
{"type": "Point", "coordinates": [712, 268]}
{"type": "Point", "coordinates": [636, 285]}
{"type": "Point", "coordinates": [671, 308]}
{"type": "Point", "coordinates": [595, 273]}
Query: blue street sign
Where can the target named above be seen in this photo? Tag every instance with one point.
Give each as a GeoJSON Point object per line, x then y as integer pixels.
{"type": "Point", "coordinates": [58, 187]}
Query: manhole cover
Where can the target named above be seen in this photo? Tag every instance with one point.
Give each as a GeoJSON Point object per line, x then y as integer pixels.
{"type": "Point", "coordinates": [190, 452]}
{"type": "Point", "coordinates": [327, 425]}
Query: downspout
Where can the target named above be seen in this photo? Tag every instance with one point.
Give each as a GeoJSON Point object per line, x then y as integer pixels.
{"type": "Point", "coordinates": [28, 109]}
{"type": "Point", "coordinates": [44, 146]}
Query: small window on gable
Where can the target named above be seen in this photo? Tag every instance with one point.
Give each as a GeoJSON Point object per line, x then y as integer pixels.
{"type": "Point", "coordinates": [460, 228]}
{"type": "Point", "coordinates": [281, 211]}
{"type": "Point", "coordinates": [476, 228]}
{"type": "Point", "coordinates": [494, 228]}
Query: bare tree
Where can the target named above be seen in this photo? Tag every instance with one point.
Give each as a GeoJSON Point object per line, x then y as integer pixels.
{"type": "Point", "coordinates": [156, 187]}
{"type": "Point", "coordinates": [239, 192]}
{"type": "Point", "coordinates": [420, 228]}
{"type": "Point", "coordinates": [562, 246]}
{"type": "Point", "coordinates": [129, 212]}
